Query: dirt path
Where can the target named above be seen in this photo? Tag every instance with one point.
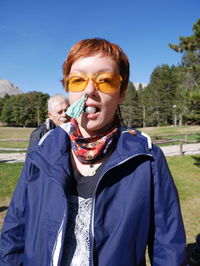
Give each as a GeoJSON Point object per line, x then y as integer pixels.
{"type": "Point", "coordinates": [12, 157]}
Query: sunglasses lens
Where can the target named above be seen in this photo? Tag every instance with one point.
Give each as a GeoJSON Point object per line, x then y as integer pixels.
{"type": "Point", "coordinates": [108, 82]}
{"type": "Point", "coordinates": [76, 83]}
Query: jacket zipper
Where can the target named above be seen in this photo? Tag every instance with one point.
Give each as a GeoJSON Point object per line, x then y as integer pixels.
{"type": "Point", "coordinates": [60, 231]}
{"type": "Point", "coordinates": [93, 206]}
{"type": "Point", "coordinates": [58, 244]}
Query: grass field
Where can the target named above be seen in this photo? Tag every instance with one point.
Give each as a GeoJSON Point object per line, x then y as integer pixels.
{"type": "Point", "coordinates": [152, 131]}
{"type": "Point", "coordinates": [18, 134]}
{"type": "Point", "coordinates": [15, 132]}
{"type": "Point", "coordinates": [14, 144]}
{"type": "Point", "coordinates": [186, 173]}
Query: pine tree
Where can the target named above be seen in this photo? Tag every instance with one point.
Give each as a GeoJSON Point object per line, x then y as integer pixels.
{"type": "Point", "coordinates": [131, 113]}
{"type": "Point", "coordinates": [189, 84]}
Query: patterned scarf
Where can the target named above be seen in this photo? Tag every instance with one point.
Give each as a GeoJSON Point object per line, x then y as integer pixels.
{"type": "Point", "coordinates": [89, 150]}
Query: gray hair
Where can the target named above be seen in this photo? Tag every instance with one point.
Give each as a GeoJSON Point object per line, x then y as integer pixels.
{"type": "Point", "coordinates": [55, 98]}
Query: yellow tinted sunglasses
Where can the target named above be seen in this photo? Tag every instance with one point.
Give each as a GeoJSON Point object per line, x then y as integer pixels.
{"type": "Point", "coordinates": [107, 82]}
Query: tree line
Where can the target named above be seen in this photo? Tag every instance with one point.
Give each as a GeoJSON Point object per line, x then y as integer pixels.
{"type": "Point", "coordinates": [171, 97]}
{"type": "Point", "coordinates": [28, 109]}
{"type": "Point", "coordinates": [173, 93]}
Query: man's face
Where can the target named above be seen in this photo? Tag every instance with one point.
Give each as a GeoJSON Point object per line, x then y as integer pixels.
{"type": "Point", "coordinates": [57, 114]}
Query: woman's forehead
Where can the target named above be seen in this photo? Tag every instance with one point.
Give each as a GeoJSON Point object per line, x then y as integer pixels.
{"type": "Point", "coordinates": [95, 63]}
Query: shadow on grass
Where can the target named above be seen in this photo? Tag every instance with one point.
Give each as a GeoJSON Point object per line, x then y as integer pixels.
{"type": "Point", "coordinates": [197, 160]}
{"type": "Point", "coordinates": [6, 161]}
{"type": "Point", "coordinates": [3, 208]}
{"type": "Point", "coordinates": [193, 251]}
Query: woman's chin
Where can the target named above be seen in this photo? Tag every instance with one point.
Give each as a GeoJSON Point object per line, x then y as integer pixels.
{"type": "Point", "coordinates": [90, 130]}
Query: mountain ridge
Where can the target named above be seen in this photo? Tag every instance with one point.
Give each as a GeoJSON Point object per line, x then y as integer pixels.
{"type": "Point", "coordinates": [7, 87]}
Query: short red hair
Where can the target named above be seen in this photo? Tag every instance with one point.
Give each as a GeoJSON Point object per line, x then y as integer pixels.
{"type": "Point", "coordinates": [90, 47]}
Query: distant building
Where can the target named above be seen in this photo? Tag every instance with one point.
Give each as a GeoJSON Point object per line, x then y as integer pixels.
{"type": "Point", "coordinates": [7, 87]}
{"type": "Point", "coordinates": [137, 84]}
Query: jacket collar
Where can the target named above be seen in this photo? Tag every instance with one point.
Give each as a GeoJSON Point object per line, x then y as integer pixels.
{"type": "Point", "coordinates": [130, 144]}
{"type": "Point", "coordinates": [53, 154]}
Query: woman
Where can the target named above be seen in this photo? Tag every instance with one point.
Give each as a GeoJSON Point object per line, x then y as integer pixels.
{"type": "Point", "coordinates": [105, 193]}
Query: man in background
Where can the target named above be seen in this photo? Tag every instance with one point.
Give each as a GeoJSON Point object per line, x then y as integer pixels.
{"type": "Point", "coordinates": [57, 106]}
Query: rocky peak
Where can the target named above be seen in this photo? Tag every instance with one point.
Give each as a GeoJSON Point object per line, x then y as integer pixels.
{"type": "Point", "coordinates": [7, 87]}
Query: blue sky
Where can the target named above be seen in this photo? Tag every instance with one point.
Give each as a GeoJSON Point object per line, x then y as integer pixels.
{"type": "Point", "coordinates": [36, 35]}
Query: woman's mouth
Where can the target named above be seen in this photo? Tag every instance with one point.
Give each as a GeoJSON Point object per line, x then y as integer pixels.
{"type": "Point", "coordinates": [90, 109]}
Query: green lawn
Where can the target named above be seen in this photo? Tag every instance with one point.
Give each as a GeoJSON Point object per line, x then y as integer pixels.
{"type": "Point", "coordinates": [14, 144]}
{"type": "Point", "coordinates": [170, 130]}
{"type": "Point", "coordinates": [9, 174]}
{"type": "Point", "coordinates": [186, 173]}
{"type": "Point", "coordinates": [15, 132]}
{"type": "Point", "coordinates": [19, 134]}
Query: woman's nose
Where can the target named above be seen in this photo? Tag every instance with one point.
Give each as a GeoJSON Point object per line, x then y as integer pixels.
{"type": "Point", "coordinates": [91, 87]}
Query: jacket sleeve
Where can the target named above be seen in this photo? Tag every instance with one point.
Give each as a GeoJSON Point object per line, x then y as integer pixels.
{"type": "Point", "coordinates": [12, 235]}
{"type": "Point", "coordinates": [167, 243]}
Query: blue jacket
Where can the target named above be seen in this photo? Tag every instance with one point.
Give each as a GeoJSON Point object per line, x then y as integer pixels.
{"type": "Point", "coordinates": [135, 204]}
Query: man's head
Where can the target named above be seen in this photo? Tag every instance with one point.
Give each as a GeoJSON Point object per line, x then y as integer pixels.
{"type": "Point", "coordinates": [57, 106]}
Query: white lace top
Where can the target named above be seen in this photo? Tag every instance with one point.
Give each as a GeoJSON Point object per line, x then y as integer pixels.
{"type": "Point", "coordinates": [77, 237]}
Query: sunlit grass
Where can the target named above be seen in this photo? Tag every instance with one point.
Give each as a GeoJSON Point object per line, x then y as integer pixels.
{"type": "Point", "coordinates": [9, 174]}
{"type": "Point", "coordinates": [170, 130]}
{"type": "Point", "coordinates": [14, 144]}
{"type": "Point", "coordinates": [186, 174]}
{"type": "Point", "coordinates": [15, 132]}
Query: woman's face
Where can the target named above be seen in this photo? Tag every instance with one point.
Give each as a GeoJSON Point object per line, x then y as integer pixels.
{"type": "Point", "coordinates": [105, 103]}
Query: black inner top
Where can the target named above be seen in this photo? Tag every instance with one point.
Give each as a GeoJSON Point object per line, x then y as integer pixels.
{"type": "Point", "coordinates": [84, 186]}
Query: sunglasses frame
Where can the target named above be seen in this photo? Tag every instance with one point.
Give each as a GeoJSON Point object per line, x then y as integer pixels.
{"type": "Point", "coordinates": [93, 77]}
